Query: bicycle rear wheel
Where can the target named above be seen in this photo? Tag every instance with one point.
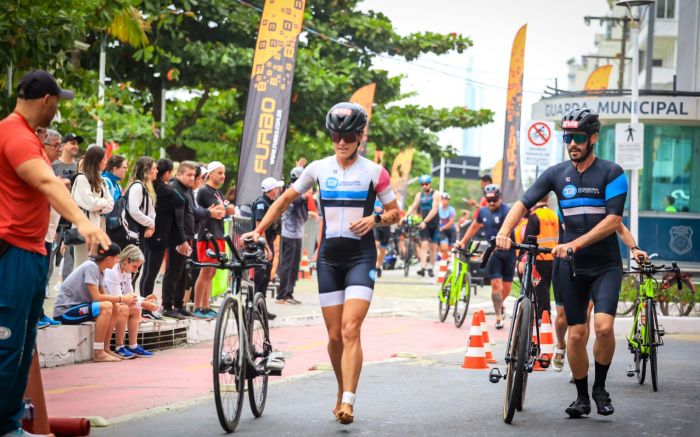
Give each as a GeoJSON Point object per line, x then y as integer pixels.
{"type": "Point", "coordinates": [462, 303]}
{"type": "Point", "coordinates": [260, 348]}
{"type": "Point", "coordinates": [444, 298]}
{"type": "Point", "coordinates": [519, 347]}
{"type": "Point", "coordinates": [229, 371]}
{"type": "Point", "coordinates": [653, 335]}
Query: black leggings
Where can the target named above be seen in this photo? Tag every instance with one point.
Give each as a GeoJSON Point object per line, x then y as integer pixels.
{"type": "Point", "coordinates": [150, 269]}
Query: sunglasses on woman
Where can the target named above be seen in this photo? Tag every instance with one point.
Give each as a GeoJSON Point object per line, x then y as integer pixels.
{"type": "Point", "coordinates": [350, 137]}
{"type": "Point", "coordinates": [578, 138]}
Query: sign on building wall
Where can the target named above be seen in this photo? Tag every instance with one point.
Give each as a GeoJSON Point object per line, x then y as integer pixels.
{"type": "Point", "coordinates": [539, 136]}
{"type": "Point", "coordinates": [620, 107]}
{"type": "Point", "coordinates": [629, 145]}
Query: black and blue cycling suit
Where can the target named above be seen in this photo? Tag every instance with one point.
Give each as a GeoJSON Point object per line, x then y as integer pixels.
{"type": "Point", "coordinates": [585, 199]}
{"type": "Point", "coordinates": [431, 231]}
{"type": "Point", "coordinates": [501, 265]}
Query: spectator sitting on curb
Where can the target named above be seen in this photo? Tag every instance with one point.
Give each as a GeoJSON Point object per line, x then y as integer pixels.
{"type": "Point", "coordinates": [118, 283]}
{"type": "Point", "coordinates": [82, 299]}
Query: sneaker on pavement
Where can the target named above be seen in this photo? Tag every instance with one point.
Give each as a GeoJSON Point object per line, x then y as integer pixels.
{"type": "Point", "coordinates": [579, 407]}
{"type": "Point", "coordinates": [271, 316]}
{"type": "Point", "coordinates": [293, 301]}
{"type": "Point", "coordinates": [211, 313]}
{"type": "Point", "coordinates": [379, 272]}
{"type": "Point", "coordinates": [499, 324]}
{"type": "Point", "coordinates": [125, 353]}
{"type": "Point", "coordinates": [173, 314]}
{"type": "Point", "coordinates": [602, 401]}
{"type": "Point", "coordinates": [200, 314]}
{"type": "Point", "coordinates": [41, 324]}
{"type": "Point", "coordinates": [140, 352]}
{"type": "Point", "coordinates": [281, 301]}
{"type": "Point", "coordinates": [421, 272]}
{"type": "Point", "coordinates": [430, 273]}
{"type": "Point", "coordinates": [184, 312]}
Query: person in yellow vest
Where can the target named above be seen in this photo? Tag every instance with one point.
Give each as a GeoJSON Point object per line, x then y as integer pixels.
{"type": "Point", "coordinates": [544, 224]}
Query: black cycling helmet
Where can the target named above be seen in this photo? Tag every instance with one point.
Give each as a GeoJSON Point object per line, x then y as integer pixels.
{"type": "Point", "coordinates": [581, 119]}
{"type": "Point", "coordinates": [346, 117]}
{"type": "Point", "coordinates": [492, 190]}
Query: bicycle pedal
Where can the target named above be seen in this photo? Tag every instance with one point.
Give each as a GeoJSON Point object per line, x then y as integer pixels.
{"type": "Point", "coordinates": [661, 331]}
{"type": "Point", "coordinates": [631, 370]}
{"type": "Point", "coordinates": [495, 375]}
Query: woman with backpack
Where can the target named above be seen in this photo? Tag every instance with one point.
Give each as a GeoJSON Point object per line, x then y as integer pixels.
{"type": "Point", "coordinates": [91, 194]}
{"type": "Point", "coordinates": [140, 209]}
{"type": "Point", "coordinates": [167, 232]}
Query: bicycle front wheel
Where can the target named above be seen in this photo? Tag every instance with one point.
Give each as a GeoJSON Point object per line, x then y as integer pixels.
{"type": "Point", "coordinates": [518, 353]}
{"type": "Point", "coordinates": [444, 299]}
{"type": "Point", "coordinates": [653, 335]}
{"type": "Point", "coordinates": [228, 365]}
{"type": "Point", "coordinates": [462, 303]}
{"type": "Point", "coordinates": [260, 349]}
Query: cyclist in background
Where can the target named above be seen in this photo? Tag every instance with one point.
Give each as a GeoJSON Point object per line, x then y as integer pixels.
{"type": "Point", "coordinates": [349, 185]}
{"type": "Point", "coordinates": [501, 265]}
{"type": "Point", "coordinates": [592, 194]}
{"type": "Point", "coordinates": [427, 201]}
{"type": "Point", "coordinates": [447, 228]}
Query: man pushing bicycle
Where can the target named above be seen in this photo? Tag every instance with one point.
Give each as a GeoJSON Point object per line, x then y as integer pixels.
{"type": "Point", "coordinates": [591, 194]}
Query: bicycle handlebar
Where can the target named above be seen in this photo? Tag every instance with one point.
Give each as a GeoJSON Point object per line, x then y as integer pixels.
{"type": "Point", "coordinates": [649, 269]}
{"type": "Point", "coordinates": [253, 257]}
{"type": "Point", "coordinates": [526, 248]}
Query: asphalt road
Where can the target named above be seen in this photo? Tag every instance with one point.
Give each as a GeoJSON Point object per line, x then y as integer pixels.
{"type": "Point", "coordinates": [432, 395]}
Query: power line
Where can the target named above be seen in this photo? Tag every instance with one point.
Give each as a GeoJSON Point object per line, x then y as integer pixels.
{"type": "Point", "coordinates": [470, 81]}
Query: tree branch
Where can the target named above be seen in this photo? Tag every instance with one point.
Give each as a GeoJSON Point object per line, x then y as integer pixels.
{"type": "Point", "coordinates": [190, 120]}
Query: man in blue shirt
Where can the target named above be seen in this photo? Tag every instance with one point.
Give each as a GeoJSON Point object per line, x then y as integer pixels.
{"type": "Point", "coordinates": [501, 266]}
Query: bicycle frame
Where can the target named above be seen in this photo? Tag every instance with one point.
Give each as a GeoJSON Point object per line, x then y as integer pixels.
{"type": "Point", "coordinates": [527, 296]}
{"type": "Point", "coordinates": [638, 338]}
{"type": "Point", "coordinates": [460, 270]}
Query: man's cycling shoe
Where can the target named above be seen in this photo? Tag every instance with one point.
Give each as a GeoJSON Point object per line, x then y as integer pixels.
{"type": "Point", "coordinates": [579, 407]}
{"type": "Point", "coordinates": [602, 401]}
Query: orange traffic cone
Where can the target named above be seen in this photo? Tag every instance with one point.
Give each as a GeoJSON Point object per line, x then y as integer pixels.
{"type": "Point", "coordinates": [304, 270]}
{"type": "Point", "coordinates": [543, 351]}
{"type": "Point", "coordinates": [485, 338]}
{"type": "Point", "coordinates": [546, 336]}
{"type": "Point", "coordinates": [442, 273]}
{"type": "Point", "coordinates": [475, 358]}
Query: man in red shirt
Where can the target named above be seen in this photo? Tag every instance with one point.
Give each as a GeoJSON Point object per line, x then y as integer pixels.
{"type": "Point", "coordinates": [27, 187]}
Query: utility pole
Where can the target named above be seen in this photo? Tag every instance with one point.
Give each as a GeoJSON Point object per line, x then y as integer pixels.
{"type": "Point", "coordinates": [650, 48]}
{"type": "Point", "coordinates": [625, 26]}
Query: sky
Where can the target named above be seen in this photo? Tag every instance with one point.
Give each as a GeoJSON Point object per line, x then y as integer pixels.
{"type": "Point", "coordinates": [556, 32]}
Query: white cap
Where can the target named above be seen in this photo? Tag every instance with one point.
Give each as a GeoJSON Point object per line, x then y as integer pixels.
{"type": "Point", "coordinates": [269, 184]}
{"type": "Point", "coordinates": [213, 166]}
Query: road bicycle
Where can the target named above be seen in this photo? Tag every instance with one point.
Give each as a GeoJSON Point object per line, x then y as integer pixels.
{"type": "Point", "coordinates": [522, 350]}
{"type": "Point", "coordinates": [647, 336]}
{"type": "Point", "coordinates": [457, 288]}
{"type": "Point", "coordinates": [242, 348]}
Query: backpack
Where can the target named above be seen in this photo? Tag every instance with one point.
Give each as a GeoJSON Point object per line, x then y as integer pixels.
{"type": "Point", "coordinates": [132, 224]}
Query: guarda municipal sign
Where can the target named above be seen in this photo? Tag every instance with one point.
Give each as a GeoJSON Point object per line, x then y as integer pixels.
{"type": "Point", "coordinates": [620, 107]}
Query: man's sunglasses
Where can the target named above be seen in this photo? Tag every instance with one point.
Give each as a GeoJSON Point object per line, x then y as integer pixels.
{"type": "Point", "coordinates": [578, 138]}
{"type": "Point", "coordinates": [350, 137]}
{"type": "Point", "coordinates": [493, 200]}
{"type": "Point", "coordinates": [424, 184]}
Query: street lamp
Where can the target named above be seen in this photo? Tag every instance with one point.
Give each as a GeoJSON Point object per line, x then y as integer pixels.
{"type": "Point", "coordinates": [640, 6]}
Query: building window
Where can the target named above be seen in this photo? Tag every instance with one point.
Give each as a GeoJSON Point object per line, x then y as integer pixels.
{"type": "Point", "coordinates": [669, 154]}
{"type": "Point", "coordinates": [657, 62]}
{"type": "Point", "coordinates": [666, 9]}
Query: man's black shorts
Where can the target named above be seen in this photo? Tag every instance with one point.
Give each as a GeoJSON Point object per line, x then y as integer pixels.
{"type": "Point", "coordinates": [602, 286]}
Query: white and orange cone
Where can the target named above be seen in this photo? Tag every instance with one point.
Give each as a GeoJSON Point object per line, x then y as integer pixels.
{"type": "Point", "coordinates": [546, 336]}
{"type": "Point", "coordinates": [475, 358]}
{"type": "Point", "coordinates": [485, 338]}
{"type": "Point", "coordinates": [442, 272]}
{"type": "Point", "coordinates": [304, 270]}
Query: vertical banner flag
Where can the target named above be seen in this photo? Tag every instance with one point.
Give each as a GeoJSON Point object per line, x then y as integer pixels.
{"type": "Point", "coordinates": [269, 95]}
{"type": "Point", "coordinates": [512, 187]}
{"type": "Point", "coordinates": [598, 79]}
{"type": "Point", "coordinates": [365, 98]}
{"type": "Point", "coordinates": [399, 173]}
